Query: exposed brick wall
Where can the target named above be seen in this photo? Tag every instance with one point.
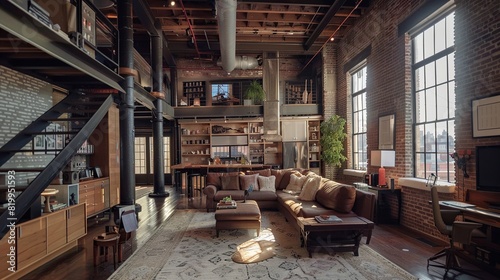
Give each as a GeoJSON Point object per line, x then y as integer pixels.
{"type": "Point", "coordinates": [23, 99]}
{"type": "Point", "coordinates": [389, 85]}
{"type": "Point", "coordinates": [477, 72]}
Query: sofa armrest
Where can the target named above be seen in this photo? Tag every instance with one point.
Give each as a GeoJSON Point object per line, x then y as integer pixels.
{"type": "Point", "coordinates": [210, 191]}
{"type": "Point", "coordinates": [364, 205]}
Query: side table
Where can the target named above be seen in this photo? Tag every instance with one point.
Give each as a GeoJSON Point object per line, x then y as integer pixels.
{"type": "Point", "coordinates": [383, 210]}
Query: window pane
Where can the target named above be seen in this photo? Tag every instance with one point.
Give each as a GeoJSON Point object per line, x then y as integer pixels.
{"type": "Point", "coordinates": [442, 102]}
{"type": "Point", "coordinates": [441, 70]}
{"type": "Point", "coordinates": [430, 75]}
{"type": "Point", "coordinates": [418, 48]}
{"type": "Point", "coordinates": [440, 35]}
{"type": "Point", "coordinates": [451, 99]}
{"type": "Point", "coordinates": [430, 104]}
{"type": "Point", "coordinates": [451, 66]}
{"type": "Point", "coordinates": [420, 165]}
{"type": "Point", "coordinates": [419, 139]}
{"type": "Point", "coordinates": [420, 106]}
{"type": "Point", "coordinates": [430, 138]}
{"type": "Point", "coordinates": [419, 79]}
{"type": "Point", "coordinates": [450, 30]}
{"type": "Point", "coordinates": [428, 42]}
{"type": "Point", "coordinates": [140, 155]}
{"type": "Point", "coordinates": [442, 136]}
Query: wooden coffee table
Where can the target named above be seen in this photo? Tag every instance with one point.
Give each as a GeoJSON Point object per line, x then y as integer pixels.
{"type": "Point", "coordinates": [340, 237]}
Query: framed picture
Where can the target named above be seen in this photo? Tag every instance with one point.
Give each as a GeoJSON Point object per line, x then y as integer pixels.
{"type": "Point", "coordinates": [59, 137]}
{"type": "Point", "coordinates": [485, 117]}
{"type": "Point", "coordinates": [386, 132]}
{"type": "Point", "coordinates": [39, 144]}
{"type": "Point", "coordinates": [50, 140]}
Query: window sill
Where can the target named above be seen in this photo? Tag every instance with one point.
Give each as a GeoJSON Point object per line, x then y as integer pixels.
{"type": "Point", "coordinates": [443, 187]}
{"type": "Point", "coordinates": [355, 173]}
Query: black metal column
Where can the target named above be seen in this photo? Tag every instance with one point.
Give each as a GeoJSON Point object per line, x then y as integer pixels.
{"type": "Point", "coordinates": [127, 130]}
{"type": "Point", "coordinates": [158, 156]}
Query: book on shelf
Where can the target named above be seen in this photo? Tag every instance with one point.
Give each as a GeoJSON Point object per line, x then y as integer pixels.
{"type": "Point", "coordinates": [328, 219]}
{"type": "Point", "coordinates": [226, 205]}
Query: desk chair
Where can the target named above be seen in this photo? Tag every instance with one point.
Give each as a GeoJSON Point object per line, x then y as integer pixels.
{"type": "Point", "coordinates": [457, 231]}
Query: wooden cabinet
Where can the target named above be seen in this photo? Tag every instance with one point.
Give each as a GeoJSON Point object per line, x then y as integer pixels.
{"type": "Point", "coordinates": [95, 193]}
{"type": "Point", "coordinates": [192, 90]}
{"type": "Point", "coordinates": [294, 130]}
{"type": "Point", "coordinates": [40, 240]}
{"type": "Point", "coordinates": [31, 241]}
{"type": "Point", "coordinates": [56, 231]}
{"type": "Point", "coordinates": [314, 146]}
{"type": "Point", "coordinates": [76, 222]}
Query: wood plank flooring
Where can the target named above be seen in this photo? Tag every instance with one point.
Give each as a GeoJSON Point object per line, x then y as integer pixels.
{"type": "Point", "coordinates": [395, 243]}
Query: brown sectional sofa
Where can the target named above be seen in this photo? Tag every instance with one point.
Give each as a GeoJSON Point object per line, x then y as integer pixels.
{"type": "Point", "coordinates": [332, 198]}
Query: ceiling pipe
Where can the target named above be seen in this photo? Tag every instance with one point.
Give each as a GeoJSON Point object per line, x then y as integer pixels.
{"type": "Point", "coordinates": [226, 18]}
{"type": "Point", "coordinates": [243, 62]}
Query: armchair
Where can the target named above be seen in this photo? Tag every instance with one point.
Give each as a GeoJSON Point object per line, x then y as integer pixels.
{"type": "Point", "coordinates": [457, 231]}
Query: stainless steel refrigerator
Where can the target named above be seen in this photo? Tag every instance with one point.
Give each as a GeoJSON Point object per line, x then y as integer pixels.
{"type": "Point", "coordinates": [295, 155]}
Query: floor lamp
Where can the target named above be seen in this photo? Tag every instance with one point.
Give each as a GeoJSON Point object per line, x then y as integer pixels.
{"type": "Point", "coordinates": [383, 158]}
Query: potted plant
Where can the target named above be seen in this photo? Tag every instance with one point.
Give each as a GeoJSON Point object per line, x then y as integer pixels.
{"type": "Point", "coordinates": [332, 141]}
{"type": "Point", "coordinates": [255, 92]}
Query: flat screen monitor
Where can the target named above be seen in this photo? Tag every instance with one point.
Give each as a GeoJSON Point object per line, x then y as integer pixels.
{"type": "Point", "coordinates": [487, 168]}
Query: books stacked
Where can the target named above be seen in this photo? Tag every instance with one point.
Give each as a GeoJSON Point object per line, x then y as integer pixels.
{"type": "Point", "coordinates": [226, 205]}
{"type": "Point", "coordinates": [40, 13]}
{"type": "Point", "coordinates": [328, 219]}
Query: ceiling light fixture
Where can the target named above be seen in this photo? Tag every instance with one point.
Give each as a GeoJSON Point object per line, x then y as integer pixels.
{"type": "Point", "coordinates": [172, 3]}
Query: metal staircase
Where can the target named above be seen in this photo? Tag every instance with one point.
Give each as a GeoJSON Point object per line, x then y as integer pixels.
{"type": "Point", "coordinates": [88, 111]}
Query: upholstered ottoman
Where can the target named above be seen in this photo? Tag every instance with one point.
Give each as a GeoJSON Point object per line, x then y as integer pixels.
{"type": "Point", "coordinates": [246, 215]}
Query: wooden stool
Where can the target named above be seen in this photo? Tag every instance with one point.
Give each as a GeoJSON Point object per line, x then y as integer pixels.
{"type": "Point", "coordinates": [104, 241]}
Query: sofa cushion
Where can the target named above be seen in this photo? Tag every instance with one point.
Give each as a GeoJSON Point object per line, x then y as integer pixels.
{"type": "Point", "coordinates": [235, 195]}
{"type": "Point", "coordinates": [267, 183]}
{"type": "Point", "coordinates": [247, 180]}
{"type": "Point", "coordinates": [336, 196]}
{"type": "Point", "coordinates": [310, 187]}
{"type": "Point", "coordinates": [282, 177]}
{"type": "Point", "coordinates": [260, 196]}
{"type": "Point", "coordinates": [296, 182]}
{"type": "Point", "coordinates": [262, 172]}
{"type": "Point", "coordinates": [213, 178]}
{"type": "Point", "coordinates": [230, 182]}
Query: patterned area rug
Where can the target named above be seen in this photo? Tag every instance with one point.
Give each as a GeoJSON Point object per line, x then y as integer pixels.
{"type": "Point", "coordinates": [186, 248]}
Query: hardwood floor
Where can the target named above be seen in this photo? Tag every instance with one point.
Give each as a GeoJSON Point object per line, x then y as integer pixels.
{"type": "Point", "coordinates": [397, 244]}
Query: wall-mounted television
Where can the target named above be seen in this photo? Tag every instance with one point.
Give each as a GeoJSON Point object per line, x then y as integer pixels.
{"type": "Point", "coordinates": [487, 171]}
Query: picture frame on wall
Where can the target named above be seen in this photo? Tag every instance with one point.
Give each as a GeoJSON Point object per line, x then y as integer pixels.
{"type": "Point", "coordinates": [50, 140]}
{"type": "Point", "coordinates": [386, 132]}
{"type": "Point", "coordinates": [39, 144]}
{"type": "Point", "coordinates": [485, 117]}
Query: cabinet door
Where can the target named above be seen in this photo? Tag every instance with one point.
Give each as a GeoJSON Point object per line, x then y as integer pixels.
{"type": "Point", "coordinates": [56, 230]}
{"type": "Point", "coordinates": [5, 248]}
{"type": "Point", "coordinates": [77, 222]}
{"type": "Point", "coordinates": [294, 130]}
{"type": "Point", "coordinates": [31, 242]}
{"type": "Point", "coordinates": [87, 196]}
{"type": "Point", "coordinates": [99, 194]}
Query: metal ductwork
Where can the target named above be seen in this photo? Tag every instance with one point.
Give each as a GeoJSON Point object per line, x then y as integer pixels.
{"type": "Point", "coordinates": [270, 83]}
{"type": "Point", "coordinates": [242, 62]}
{"type": "Point", "coordinates": [226, 18]}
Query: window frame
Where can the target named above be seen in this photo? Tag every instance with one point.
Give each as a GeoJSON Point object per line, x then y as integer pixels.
{"type": "Point", "coordinates": [433, 158]}
{"type": "Point", "coordinates": [362, 67]}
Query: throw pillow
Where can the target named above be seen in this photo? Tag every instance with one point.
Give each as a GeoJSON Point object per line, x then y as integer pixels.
{"type": "Point", "coordinates": [267, 183]}
{"type": "Point", "coordinates": [231, 182]}
{"type": "Point", "coordinates": [337, 196]}
{"type": "Point", "coordinates": [262, 172]}
{"type": "Point", "coordinates": [310, 187]}
{"type": "Point", "coordinates": [296, 183]}
{"type": "Point", "coordinates": [247, 180]}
